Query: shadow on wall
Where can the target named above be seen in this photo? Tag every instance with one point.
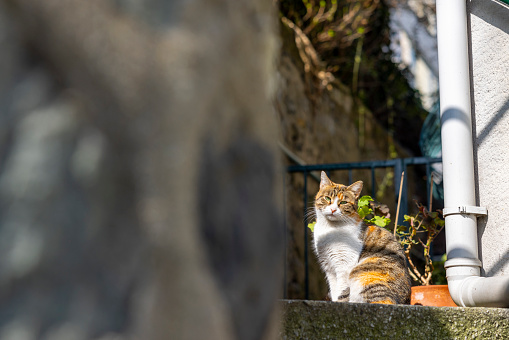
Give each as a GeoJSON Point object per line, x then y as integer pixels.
{"type": "Point", "coordinates": [482, 221]}
{"type": "Point", "coordinates": [495, 14]}
{"type": "Point", "coordinates": [492, 12]}
{"type": "Point", "coordinates": [493, 122]}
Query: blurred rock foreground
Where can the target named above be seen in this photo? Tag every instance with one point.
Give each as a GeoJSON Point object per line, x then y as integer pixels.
{"type": "Point", "coordinates": [139, 180]}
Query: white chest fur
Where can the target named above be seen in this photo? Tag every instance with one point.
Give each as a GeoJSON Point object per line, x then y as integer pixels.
{"type": "Point", "coordinates": [338, 248]}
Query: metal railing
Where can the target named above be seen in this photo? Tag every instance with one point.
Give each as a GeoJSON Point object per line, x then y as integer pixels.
{"type": "Point", "coordinates": [399, 165]}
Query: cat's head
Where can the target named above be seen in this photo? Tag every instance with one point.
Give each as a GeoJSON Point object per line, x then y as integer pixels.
{"type": "Point", "coordinates": [338, 202]}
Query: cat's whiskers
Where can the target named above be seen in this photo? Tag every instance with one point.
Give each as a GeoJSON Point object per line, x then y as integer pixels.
{"type": "Point", "coordinates": [310, 214]}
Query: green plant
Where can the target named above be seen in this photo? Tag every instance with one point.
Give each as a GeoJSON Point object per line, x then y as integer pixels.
{"type": "Point", "coordinates": [372, 212]}
{"type": "Point", "coordinates": [439, 275]}
{"type": "Point", "coordinates": [421, 230]}
{"type": "Point", "coordinates": [351, 40]}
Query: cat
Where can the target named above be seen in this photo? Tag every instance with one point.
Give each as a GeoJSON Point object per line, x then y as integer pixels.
{"type": "Point", "coordinates": [362, 263]}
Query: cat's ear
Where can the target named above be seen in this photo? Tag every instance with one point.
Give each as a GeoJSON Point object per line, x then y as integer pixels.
{"type": "Point", "coordinates": [325, 181]}
{"type": "Point", "coordinates": [356, 188]}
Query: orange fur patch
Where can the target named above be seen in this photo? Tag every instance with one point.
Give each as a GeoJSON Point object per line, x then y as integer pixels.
{"type": "Point", "coordinates": [374, 277]}
{"type": "Point", "coordinates": [384, 302]}
{"type": "Point", "coordinates": [372, 228]}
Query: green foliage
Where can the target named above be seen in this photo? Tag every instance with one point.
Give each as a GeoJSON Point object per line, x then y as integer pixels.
{"type": "Point", "coordinates": [439, 276]}
{"type": "Point", "coordinates": [420, 231]}
{"type": "Point", "coordinates": [312, 226]}
{"type": "Point", "coordinates": [367, 211]}
{"type": "Point", "coordinates": [352, 39]}
{"type": "Point", "coordinates": [363, 206]}
{"type": "Point", "coordinates": [416, 237]}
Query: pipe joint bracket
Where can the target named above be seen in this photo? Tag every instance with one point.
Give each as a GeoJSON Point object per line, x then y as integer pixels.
{"type": "Point", "coordinates": [468, 210]}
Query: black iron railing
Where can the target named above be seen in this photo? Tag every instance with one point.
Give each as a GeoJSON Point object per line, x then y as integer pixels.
{"type": "Point", "coordinates": [399, 165]}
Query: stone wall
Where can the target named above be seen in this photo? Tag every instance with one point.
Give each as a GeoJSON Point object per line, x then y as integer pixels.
{"type": "Point", "coordinates": [331, 320]}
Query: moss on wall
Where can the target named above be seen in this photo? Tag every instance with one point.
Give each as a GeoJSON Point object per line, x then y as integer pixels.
{"type": "Point", "coordinates": [329, 320]}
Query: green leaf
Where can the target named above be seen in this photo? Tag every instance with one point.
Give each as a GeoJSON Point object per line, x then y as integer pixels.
{"type": "Point", "coordinates": [312, 226]}
{"type": "Point", "coordinates": [364, 201]}
{"type": "Point", "coordinates": [364, 211]}
{"type": "Point", "coordinates": [381, 221]}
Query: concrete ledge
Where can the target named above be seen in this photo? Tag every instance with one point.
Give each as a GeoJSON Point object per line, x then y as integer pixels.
{"type": "Point", "coordinates": [332, 320]}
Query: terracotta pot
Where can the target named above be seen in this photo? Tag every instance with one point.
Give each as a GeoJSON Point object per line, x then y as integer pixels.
{"type": "Point", "coordinates": [433, 295]}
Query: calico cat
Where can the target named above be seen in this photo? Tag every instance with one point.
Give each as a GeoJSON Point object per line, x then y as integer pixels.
{"type": "Point", "coordinates": [362, 263]}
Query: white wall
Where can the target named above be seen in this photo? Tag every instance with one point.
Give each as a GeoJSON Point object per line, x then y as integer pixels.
{"type": "Point", "coordinates": [489, 23]}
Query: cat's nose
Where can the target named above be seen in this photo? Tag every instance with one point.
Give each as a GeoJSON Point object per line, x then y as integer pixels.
{"type": "Point", "coordinates": [333, 210]}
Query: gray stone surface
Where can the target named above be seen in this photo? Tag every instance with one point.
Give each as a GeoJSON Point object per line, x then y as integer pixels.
{"type": "Point", "coordinates": [330, 320]}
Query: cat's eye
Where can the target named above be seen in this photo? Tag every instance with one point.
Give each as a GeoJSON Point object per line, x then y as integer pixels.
{"type": "Point", "coordinates": [343, 202]}
{"type": "Point", "coordinates": [328, 199]}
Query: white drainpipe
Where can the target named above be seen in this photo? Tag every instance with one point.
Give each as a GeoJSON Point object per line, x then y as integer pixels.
{"type": "Point", "coordinates": [463, 267]}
